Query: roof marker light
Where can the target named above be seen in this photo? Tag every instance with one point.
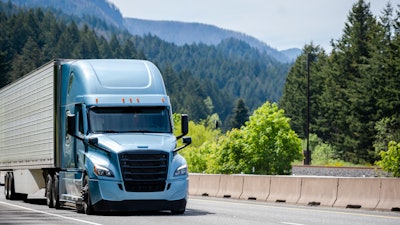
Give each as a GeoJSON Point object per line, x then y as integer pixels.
{"type": "Point", "coordinates": [130, 100]}
{"type": "Point", "coordinates": [123, 100]}
{"type": "Point", "coordinates": [163, 100]}
{"type": "Point", "coordinates": [137, 100]}
{"type": "Point", "coordinates": [97, 101]}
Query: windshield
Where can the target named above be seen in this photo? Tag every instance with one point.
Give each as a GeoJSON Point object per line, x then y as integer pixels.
{"type": "Point", "coordinates": [129, 119]}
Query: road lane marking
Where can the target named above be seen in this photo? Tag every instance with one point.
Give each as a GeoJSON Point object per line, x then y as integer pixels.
{"type": "Point", "coordinates": [299, 209]}
{"type": "Point", "coordinates": [50, 214]}
{"type": "Point", "coordinates": [288, 223]}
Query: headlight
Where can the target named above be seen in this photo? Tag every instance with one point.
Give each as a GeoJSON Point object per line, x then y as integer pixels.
{"type": "Point", "coordinates": [181, 171]}
{"type": "Point", "coordinates": [102, 171]}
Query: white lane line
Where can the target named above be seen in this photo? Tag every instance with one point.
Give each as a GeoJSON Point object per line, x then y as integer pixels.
{"type": "Point", "coordinates": [50, 214]}
{"type": "Point", "coordinates": [288, 223]}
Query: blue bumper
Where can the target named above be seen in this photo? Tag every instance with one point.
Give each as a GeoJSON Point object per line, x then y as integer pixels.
{"type": "Point", "coordinates": [111, 196]}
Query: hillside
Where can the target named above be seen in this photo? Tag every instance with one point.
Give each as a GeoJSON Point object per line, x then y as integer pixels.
{"type": "Point", "coordinates": [182, 33]}
{"type": "Point", "coordinates": [98, 8]}
{"type": "Point", "coordinates": [201, 79]}
{"type": "Point", "coordinates": [176, 32]}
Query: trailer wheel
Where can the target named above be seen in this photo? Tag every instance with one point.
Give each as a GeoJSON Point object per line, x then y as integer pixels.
{"type": "Point", "coordinates": [11, 189]}
{"type": "Point", "coordinates": [55, 193]}
{"type": "Point", "coordinates": [86, 201]}
{"type": "Point", "coordinates": [6, 180]}
{"type": "Point", "coordinates": [49, 191]}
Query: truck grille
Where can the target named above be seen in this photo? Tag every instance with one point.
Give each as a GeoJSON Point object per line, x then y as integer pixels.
{"type": "Point", "coordinates": [144, 171]}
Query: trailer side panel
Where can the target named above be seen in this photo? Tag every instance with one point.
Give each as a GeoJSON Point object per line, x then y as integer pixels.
{"type": "Point", "coordinates": [27, 121]}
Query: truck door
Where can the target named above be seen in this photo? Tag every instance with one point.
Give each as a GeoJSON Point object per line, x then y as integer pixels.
{"type": "Point", "coordinates": [74, 152]}
{"type": "Point", "coordinates": [82, 131]}
{"type": "Point", "coordinates": [69, 154]}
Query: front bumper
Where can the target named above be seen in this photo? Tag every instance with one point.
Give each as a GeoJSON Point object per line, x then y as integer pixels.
{"type": "Point", "coordinates": [139, 205]}
{"type": "Point", "coordinates": [110, 196]}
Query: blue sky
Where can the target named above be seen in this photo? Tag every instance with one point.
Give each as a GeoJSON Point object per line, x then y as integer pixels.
{"type": "Point", "coordinates": [282, 24]}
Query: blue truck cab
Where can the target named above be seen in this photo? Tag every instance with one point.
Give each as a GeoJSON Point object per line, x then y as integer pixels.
{"type": "Point", "coordinates": [115, 149]}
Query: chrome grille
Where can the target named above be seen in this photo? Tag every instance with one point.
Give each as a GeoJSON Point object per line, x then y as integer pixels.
{"type": "Point", "coordinates": [144, 171]}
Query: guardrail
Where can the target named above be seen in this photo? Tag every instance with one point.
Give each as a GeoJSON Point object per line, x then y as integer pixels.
{"type": "Point", "coordinates": [369, 193]}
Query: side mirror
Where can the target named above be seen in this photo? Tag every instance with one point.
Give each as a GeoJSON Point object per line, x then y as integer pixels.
{"type": "Point", "coordinates": [187, 140]}
{"type": "Point", "coordinates": [71, 124]}
{"type": "Point", "coordinates": [93, 141]}
{"type": "Point", "coordinates": [185, 130]}
{"type": "Point", "coordinates": [185, 124]}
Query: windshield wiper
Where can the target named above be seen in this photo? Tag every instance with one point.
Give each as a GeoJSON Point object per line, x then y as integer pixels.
{"type": "Point", "coordinates": [106, 131]}
{"type": "Point", "coordinates": [140, 131]}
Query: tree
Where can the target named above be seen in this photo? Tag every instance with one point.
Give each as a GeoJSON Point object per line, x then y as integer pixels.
{"type": "Point", "coordinates": [354, 90]}
{"type": "Point", "coordinates": [230, 155]}
{"type": "Point", "coordinates": [387, 130]}
{"type": "Point", "coordinates": [391, 159]}
{"type": "Point", "coordinates": [294, 98]}
{"type": "Point", "coordinates": [265, 145]}
{"type": "Point", "coordinates": [272, 144]}
{"type": "Point", "coordinates": [354, 124]}
{"type": "Point", "coordinates": [67, 44]}
{"type": "Point", "coordinates": [5, 63]}
{"type": "Point", "coordinates": [240, 114]}
{"type": "Point", "coordinates": [199, 154]}
{"type": "Point", "coordinates": [385, 63]}
{"type": "Point", "coordinates": [29, 59]}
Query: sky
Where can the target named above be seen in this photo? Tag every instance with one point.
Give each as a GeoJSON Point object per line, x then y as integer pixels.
{"type": "Point", "coordinates": [282, 24]}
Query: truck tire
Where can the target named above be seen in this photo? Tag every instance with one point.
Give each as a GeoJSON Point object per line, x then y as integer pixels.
{"type": "Point", "coordinates": [86, 201]}
{"type": "Point", "coordinates": [11, 188]}
{"type": "Point", "coordinates": [6, 180]}
{"type": "Point", "coordinates": [49, 191]}
{"type": "Point", "coordinates": [55, 192]}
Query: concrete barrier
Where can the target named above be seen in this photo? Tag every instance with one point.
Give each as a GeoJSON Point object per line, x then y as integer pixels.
{"type": "Point", "coordinates": [230, 186]}
{"type": "Point", "coordinates": [358, 192]}
{"type": "Point", "coordinates": [208, 185]}
{"type": "Point", "coordinates": [389, 194]}
{"type": "Point", "coordinates": [194, 181]}
{"type": "Point", "coordinates": [370, 193]}
{"type": "Point", "coordinates": [256, 187]}
{"type": "Point", "coordinates": [284, 189]}
{"type": "Point", "coordinates": [318, 191]}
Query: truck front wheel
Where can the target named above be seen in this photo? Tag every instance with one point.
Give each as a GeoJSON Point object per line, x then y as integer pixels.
{"type": "Point", "coordinates": [86, 202]}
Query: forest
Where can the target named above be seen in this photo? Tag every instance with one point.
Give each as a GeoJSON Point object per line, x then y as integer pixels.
{"type": "Point", "coordinates": [200, 79]}
{"type": "Point", "coordinates": [354, 90]}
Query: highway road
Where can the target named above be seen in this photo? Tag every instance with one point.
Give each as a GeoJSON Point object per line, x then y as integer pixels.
{"type": "Point", "coordinates": [200, 210]}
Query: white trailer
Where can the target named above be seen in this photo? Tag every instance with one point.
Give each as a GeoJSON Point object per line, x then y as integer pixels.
{"type": "Point", "coordinates": [27, 128]}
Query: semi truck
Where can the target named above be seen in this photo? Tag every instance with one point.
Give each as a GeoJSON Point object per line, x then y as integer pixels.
{"type": "Point", "coordinates": [94, 133]}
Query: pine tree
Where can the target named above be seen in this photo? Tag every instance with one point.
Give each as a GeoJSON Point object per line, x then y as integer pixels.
{"type": "Point", "coordinates": [240, 114]}
{"type": "Point", "coordinates": [294, 98]}
{"type": "Point", "coordinates": [29, 59]}
{"type": "Point", "coordinates": [385, 62]}
{"type": "Point", "coordinates": [354, 134]}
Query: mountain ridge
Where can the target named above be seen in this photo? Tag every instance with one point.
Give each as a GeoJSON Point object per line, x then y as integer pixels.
{"type": "Point", "coordinates": [182, 33]}
{"type": "Point", "coordinates": [166, 30]}
{"type": "Point", "coordinates": [194, 73]}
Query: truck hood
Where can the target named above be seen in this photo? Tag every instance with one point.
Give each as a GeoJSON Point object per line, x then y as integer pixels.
{"type": "Point", "coordinates": [122, 142]}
